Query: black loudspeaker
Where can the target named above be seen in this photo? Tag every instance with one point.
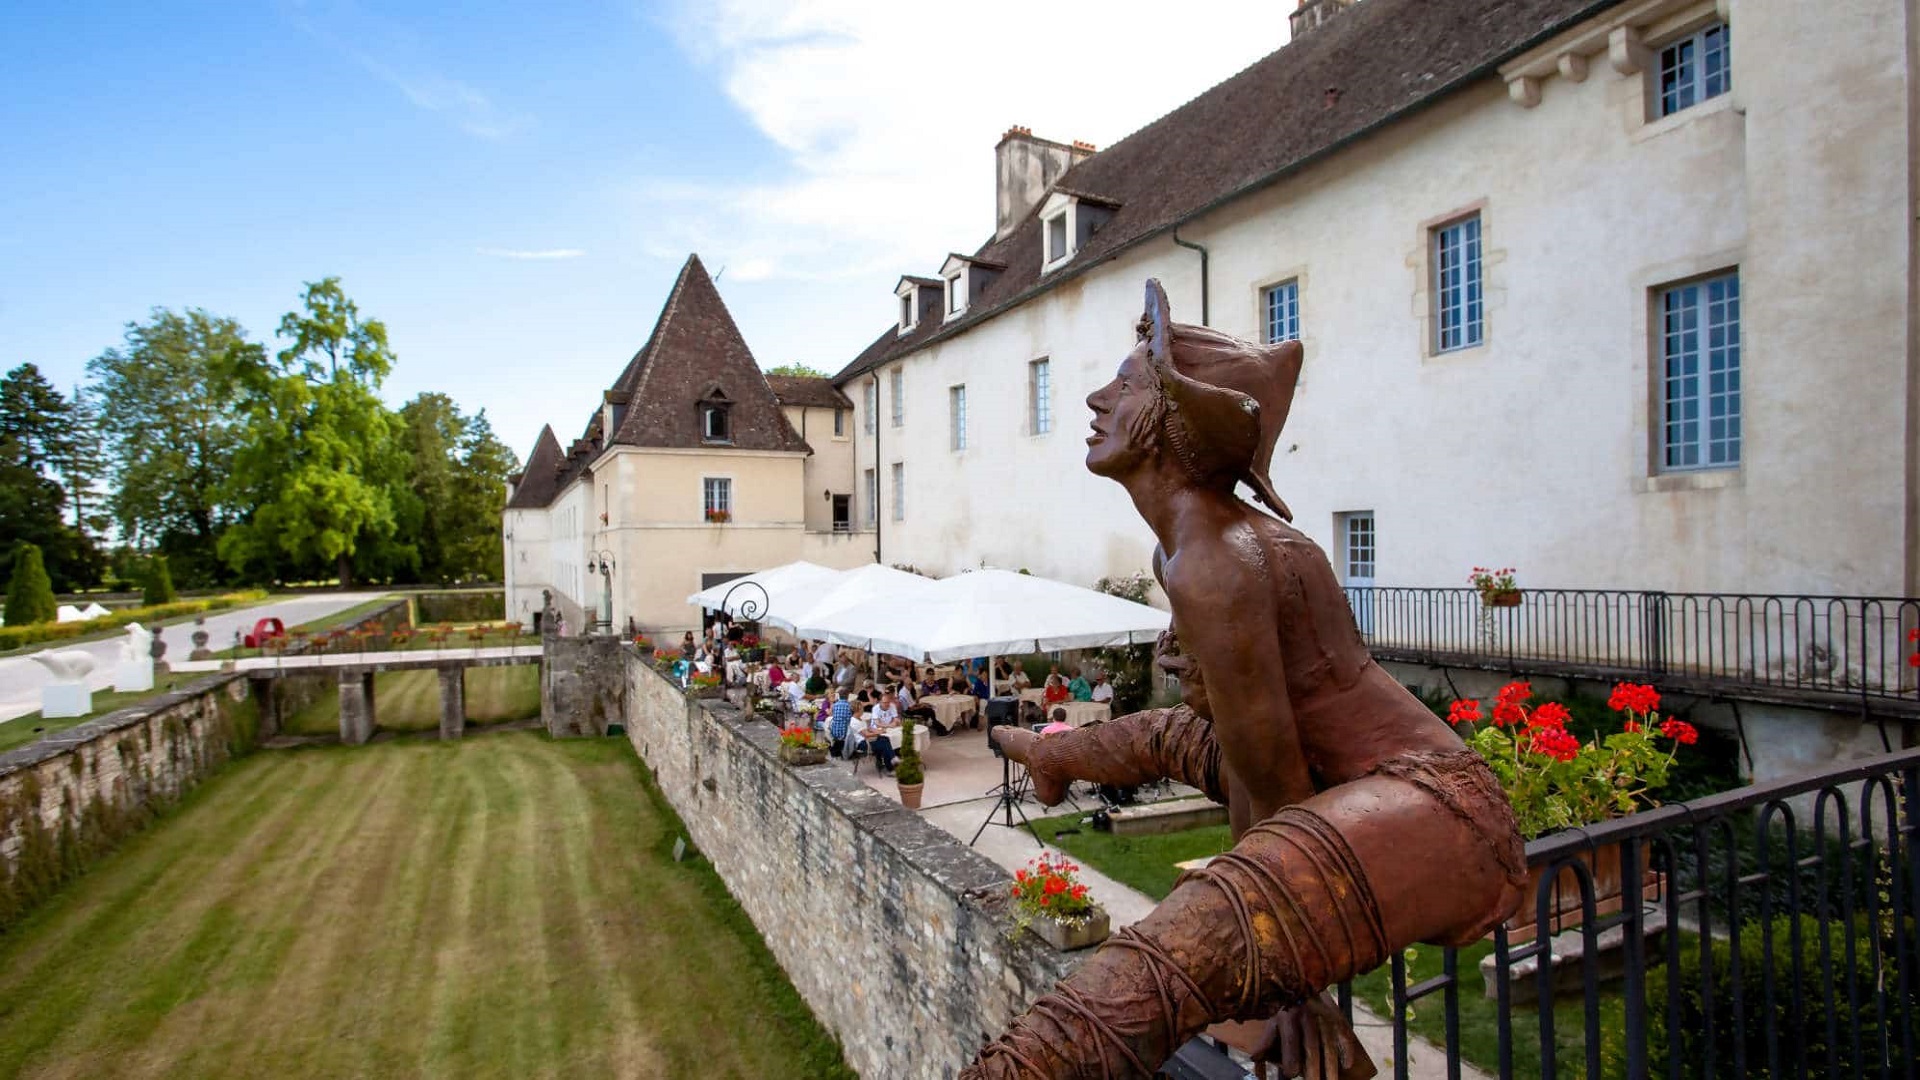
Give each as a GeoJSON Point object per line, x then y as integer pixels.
{"type": "Point", "coordinates": [1002, 711]}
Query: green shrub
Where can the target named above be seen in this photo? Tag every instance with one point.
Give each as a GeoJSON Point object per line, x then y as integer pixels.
{"type": "Point", "coordinates": [460, 607]}
{"type": "Point", "coordinates": [29, 591]}
{"type": "Point", "coordinates": [1822, 973]}
{"type": "Point", "coordinates": [159, 586]}
{"type": "Point", "coordinates": [14, 637]}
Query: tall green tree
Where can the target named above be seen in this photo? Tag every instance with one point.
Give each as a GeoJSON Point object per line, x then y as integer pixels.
{"type": "Point", "coordinates": [318, 461]}
{"type": "Point", "coordinates": [169, 423]}
{"type": "Point", "coordinates": [457, 472]}
{"type": "Point", "coordinates": [29, 593]}
{"type": "Point", "coordinates": [798, 369]}
{"type": "Point", "coordinates": [36, 435]}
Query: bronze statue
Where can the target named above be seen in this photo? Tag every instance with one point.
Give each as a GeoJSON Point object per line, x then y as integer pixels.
{"type": "Point", "coordinates": [1362, 824]}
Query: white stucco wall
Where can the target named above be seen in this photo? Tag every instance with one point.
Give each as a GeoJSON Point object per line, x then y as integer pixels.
{"type": "Point", "coordinates": [1533, 449]}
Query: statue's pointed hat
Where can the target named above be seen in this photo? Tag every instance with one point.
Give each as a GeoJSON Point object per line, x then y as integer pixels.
{"type": "Point", "coordinates": [1228, 399]}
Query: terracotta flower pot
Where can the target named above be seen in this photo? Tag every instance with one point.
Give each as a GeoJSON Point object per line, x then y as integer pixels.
{"type": "Point", "coordinates": [1070, 936]}
{"type": "Point", "coordinates": [803, 755]}
{"type": "Point", "coordinates": [1563, 903]}
{"type": "Point", "coordinates": [1503, 599]}
{"type": "Point", "coordinates": [910, 795]}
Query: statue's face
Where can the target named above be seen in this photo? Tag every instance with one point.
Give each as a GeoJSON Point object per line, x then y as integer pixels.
{"type": "Point", "coordinates": [1110, 450]}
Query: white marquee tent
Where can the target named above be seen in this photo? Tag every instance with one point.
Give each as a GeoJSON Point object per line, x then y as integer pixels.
{"type": "Point", "coordinates": [785, 586]}
{"type": "Point", "coordinates": [814, 616]}
{"type": "Point", "coordinates": [990, 613]}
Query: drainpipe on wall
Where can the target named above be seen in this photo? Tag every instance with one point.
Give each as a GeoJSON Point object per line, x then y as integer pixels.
{"type": "Point", "coordinates": [877, 478]}
{"type": "Point", "coordinates": [1205, 319]}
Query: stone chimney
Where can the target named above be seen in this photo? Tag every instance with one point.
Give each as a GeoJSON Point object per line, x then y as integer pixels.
{"type": "Point", "coordinates": [1024, 168]}
{"type": "Point", "coordinates": [1314, 13]}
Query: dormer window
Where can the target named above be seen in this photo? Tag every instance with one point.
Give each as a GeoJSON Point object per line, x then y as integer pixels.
{"type": "Point", "coordinates": [716, 426]}
{"type": "Point", "coordinates": [918, 297]}
{"type": "Point", "coordinates": [1068, 221]}
{"type": "Point", "coordinates": [967, 278]}
{"type": "Point", "coordinates": [957, 294]}
{"type": "Point", "coordinates": [906, 312]}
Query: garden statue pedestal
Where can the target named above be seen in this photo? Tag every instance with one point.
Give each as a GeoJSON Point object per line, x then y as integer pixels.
{"type": "Point", "coordinates": [200, 650]}
{"type": "Point", "coordinates": [68, 693]}
{"type": "Point", "coordinates": [134, 671]}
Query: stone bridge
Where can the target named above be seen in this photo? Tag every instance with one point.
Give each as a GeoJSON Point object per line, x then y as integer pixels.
{"type": "Point", "coordinates": [357, 669]}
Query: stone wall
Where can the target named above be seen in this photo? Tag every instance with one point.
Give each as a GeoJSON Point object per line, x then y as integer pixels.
{"type": "Point", "coordinates": [583, 682]}
{"type": "Point", "coordinates": [72, 796]}
{"type": "Point", "coordinates": [897, 935]}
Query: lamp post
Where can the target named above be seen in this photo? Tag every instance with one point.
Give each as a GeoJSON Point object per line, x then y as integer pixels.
{"type": "Point", "coordinates": [601, 562]}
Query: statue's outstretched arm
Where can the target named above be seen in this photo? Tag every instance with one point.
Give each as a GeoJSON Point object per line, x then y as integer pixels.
{"type": "Point", "coordinates": [1140, 748]}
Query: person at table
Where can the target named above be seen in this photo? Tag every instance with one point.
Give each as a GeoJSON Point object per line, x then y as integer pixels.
{"type": "Point", "coordinates": [776, 675]}
{"type": "Point", "coordinates": [816, 684]}
{"type": "Point", "coordinates": [903, 692]}
{"type": "Point", "coordinates": [977, 685]}
{"type": "Point", "coordinates": [839, 721]}
{"type": "Point", "coordinates": [1080, 688]}
{"type": "Point", "coordinates": [686, 644]}
{"type": "Point", "coordinates": [1020, 680]}
{"type": "Point", "coordinates": [882, 718]}
{"type": "Point", "coordinates": [1057, 691]}
{"type": "Point", "coordinates": [735, 668]}
{"type": "Point", "coordinates": [1102, 690]}
{"type": "Point", "coordinates": [823, 657]}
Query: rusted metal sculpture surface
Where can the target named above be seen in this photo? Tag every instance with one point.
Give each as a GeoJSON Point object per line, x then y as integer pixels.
{"type": "Point", "coordinates": [1362, 825]}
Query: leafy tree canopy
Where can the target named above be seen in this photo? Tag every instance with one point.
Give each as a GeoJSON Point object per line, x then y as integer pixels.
{"type": "Point", "coordinates": [798, 370]}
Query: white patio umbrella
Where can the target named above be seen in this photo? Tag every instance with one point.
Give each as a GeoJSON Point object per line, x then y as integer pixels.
{"type": "Point", "coordinates": [993, 613]}
{"type": "Point", "coordinates": [872, 583]}
{"type": "Point", "coordinates": [784, 586]}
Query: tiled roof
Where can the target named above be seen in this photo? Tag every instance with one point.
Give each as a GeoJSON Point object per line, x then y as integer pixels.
{"type": "Point", "coordinates": [696, 354]}
{"type": "Point", "coordinates": [1379, 61]}
{"type": "Point", "coordinates": [808, 391]}
{"type": "Point", "coordinates": [541, 478]}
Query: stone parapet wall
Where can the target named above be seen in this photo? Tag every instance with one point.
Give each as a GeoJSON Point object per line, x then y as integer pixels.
{"type": "Point", "coordinates": [583, 681]}
{"type": "Point", "coordinates": [898, 936]}
{"type": "Point", "coordinates": [74, 795]}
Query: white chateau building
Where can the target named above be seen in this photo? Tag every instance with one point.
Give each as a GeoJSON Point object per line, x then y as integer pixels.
{"type": "Point", "coordinates": [1620, 294]}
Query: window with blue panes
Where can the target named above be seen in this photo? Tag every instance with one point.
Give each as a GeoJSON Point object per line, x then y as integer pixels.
{"type": "Point", "coordinates": [1459, 295]}
{"type": "Point", "coordinates": [1695, 68]}
{"type": "Point", "coordinates": [1700, 374]}
{"type": "Point", "coordinates": [1281, 307]}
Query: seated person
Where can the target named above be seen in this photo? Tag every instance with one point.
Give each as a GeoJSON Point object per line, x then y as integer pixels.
{"type": "Point", "coordinates": [883, 717]}
{"type": "Point", "coordinates": [977, 686]}
{"type": "Point", "coordinates": [816, 685]}
{"type": "Point", "coordinates": [1020, 680]}
{"type": "Point", "coordinates": [777, 675]}
{"type": "Point", "coordinates": [904, 693]}
{"type": "Point", "coordinates": [1079, 687]}
{"type": "Point", "coordinates": [839, 721]}
{"type": "Point", "coordinates": [1057, 691]}
{"type": "Point", "coordinates": [736, 669]}
{"type": "Point", "coordinates": [1102, 690]}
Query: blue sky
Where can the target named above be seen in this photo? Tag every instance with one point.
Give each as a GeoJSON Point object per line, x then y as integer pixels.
{"type": "Point", "coordinates": [511, 187]}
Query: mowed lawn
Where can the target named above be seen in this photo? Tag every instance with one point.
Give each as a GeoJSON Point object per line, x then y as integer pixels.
{"type": "Point", "coordinates": [410, 700]}
{"type": "Point", "coordinates": [501, 906]}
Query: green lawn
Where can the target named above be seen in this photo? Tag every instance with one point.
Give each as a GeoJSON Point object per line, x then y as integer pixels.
{"type": "Point", "coordinates": [410, 700]}
{"type": "Point", "coordinates": [499, 907]}
{"type": "Point", "coordinates": [30, 728]}
{"type": "Point", "coordinates": [1147, 863]}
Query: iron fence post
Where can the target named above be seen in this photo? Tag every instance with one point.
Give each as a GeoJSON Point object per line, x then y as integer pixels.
{"type": "Point", "coordinates": [1653, 630]}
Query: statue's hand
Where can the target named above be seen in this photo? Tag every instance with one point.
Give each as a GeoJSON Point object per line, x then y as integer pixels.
{"type": "Point", "coordinates": [1315, 1042]}
{"type": "Point", "coordinates": [1050, 781]}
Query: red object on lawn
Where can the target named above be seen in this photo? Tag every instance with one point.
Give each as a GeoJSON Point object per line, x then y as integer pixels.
{"type": "Point", "coordinates": [262, 630]}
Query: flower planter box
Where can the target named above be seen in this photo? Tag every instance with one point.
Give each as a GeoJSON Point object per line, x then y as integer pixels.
{"type": "Point", "coordinates": [1503, 599]}
{"type": "Point", "coordinates": [1563, 902]}
{"type": "Point", "coordinates": [1068, 937]}
{"type": "Point", "coordinates": [803, 755]}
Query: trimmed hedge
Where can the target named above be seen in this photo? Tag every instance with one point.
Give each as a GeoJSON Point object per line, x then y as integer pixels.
{"type": "Point", "coordinates": [14, 637]}
{"type": "Point", "coordinates": [459, 607]}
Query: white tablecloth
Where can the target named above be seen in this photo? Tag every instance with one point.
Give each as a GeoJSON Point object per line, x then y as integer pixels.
{"type": "Point", "coordinates": [952, 710]}
{"type": "Point", "coordinates": [1080, 713]}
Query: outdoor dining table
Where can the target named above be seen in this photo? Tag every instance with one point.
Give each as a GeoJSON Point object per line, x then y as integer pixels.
{"type": "Point", "coordinates": [1080, 713]}
{"type": "Point", "coordinates": [1037, 695]}
{"type": "Point", "coordinates": [953, 710]}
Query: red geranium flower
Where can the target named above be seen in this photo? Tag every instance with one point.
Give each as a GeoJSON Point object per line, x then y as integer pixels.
{"type": "Point", "coordinates": [1554, 743]}
{"type": "Point", "coordinates": [1634, 697]}
{"type": "Point", "coordinates": [1679, 731]}
{"type": "Point", "coordinates": [1463, 712]}
{"type": "Point", "coordinates": [1550, 714]}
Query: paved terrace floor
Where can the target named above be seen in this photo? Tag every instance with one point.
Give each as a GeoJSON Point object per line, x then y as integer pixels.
{"type": "Point", "coordinates": [962, 771]}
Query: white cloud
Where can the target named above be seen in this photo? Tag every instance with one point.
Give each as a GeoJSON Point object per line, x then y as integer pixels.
{"type": "Point", "coordinates": [888, 114]}
{"type": "Point", "coordinates": [530, 255]}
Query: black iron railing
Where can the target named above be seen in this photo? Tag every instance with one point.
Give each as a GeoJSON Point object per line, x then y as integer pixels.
{"type": "Point", "coordinates": [1769, 931]}
{"type": "Point", "coordinates": [1820, 646]}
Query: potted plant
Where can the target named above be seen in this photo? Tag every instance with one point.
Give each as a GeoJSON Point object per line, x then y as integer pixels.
{"type": "Point", "coordinates": [1555, 781]}
{"type": "Point", "coordinates": [399, 638]}
{"type": "Point", "coordinates": [1051, 901]}
{"type": "Point", "coordinates": [719, 517]}
{"type": "Point", "coordinates": [800, 744]}
{"type": "Point", "coordinates": [704, 686]}
{"type": "Point", "coordinates": [908, 772]}
{"type": "Point", "coordinates": [1496, 587]}
{"type": "Point", "coordinates": [643, 643]}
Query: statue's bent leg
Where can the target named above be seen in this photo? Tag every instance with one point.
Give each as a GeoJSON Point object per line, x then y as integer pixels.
{"type": "Point", "coordinates": [1308, 898]}
{"type": "Point", "coordinates": [1141, 748]}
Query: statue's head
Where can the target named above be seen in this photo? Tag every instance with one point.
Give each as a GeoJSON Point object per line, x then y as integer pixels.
{"type": "Point", "coordinates": [1211, 402]}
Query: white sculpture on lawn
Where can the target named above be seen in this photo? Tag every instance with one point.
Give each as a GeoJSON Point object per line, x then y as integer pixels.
{"type": "Point", "coordinates": [135, 670]}
{"type": "Point", "coordinates": [68, 693]}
